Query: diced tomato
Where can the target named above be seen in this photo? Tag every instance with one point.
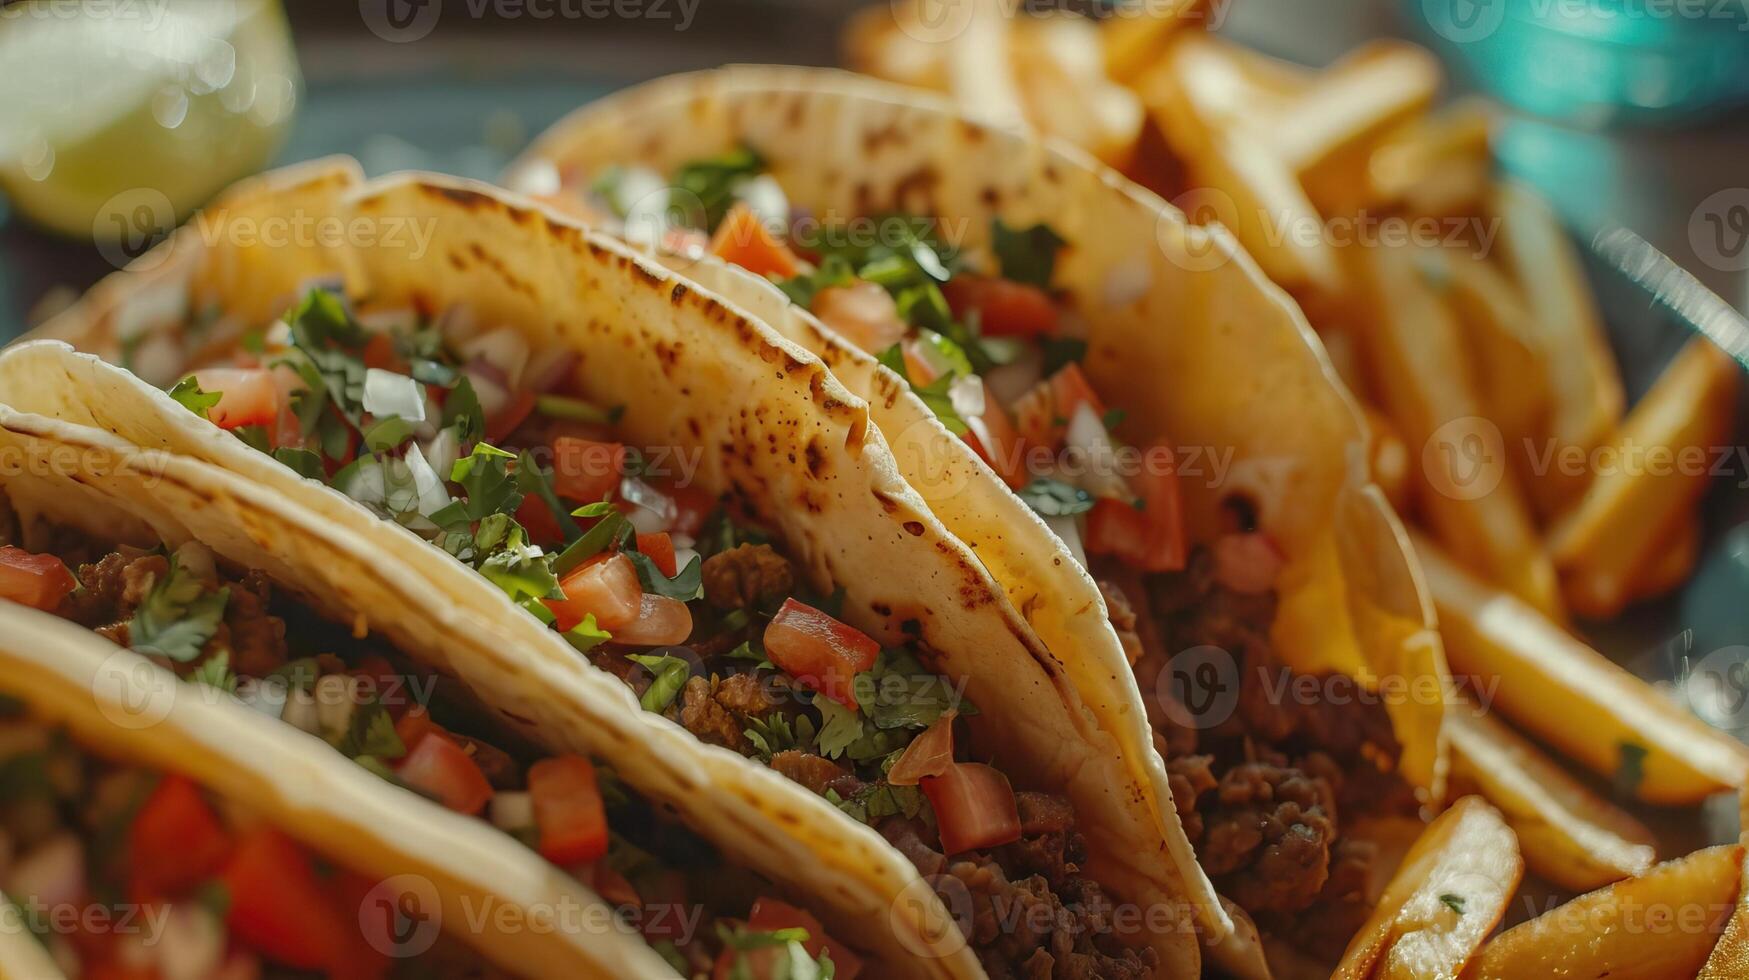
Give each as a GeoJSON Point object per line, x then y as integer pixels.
{"type": "Point", "coordinates": [771, 915]}
{"type": "Point", "coordinates": [1036, 420]}
{"type": "Point", "coordinates": [414, 726]}
{"type": "Point", "coordinates": [509, 418]}
{"type": "Point", "coordinates": [176, 841]}
{"type": "Point", "coordinates": [693, 506]}
{"type": "Point", "coordinates": [358, 959]}
{"type": "Point", "coordinates": [537, 519]}
{"type": "Point", "coordinates": [974, 807]}
{"type": "Point", "coordinates": [821, 652]}
{"type": "Point", "coordinates": [613, 887]}
{"type": "Point", "coordinates": [1070, 389]}
{"type": "Point", "coordinates": [568, 810]}
{"type": "Point", "coordinates": [586, 471]}
{"type": "Point", "coordinates": [864, 313]}
{"type": "Point", "coordinates": [742, 238]}
{"type": "Point", "coordinates": [443, 770]}
{"type": "Point", "coordinates": [379, 352]}
{"type": "Point", "coordinates": [659, 548]}
{"type": "Point", "coordinates": [661, 622]}
{"type": "Point", "coordinates": [607, 586]}
{"type": "Point", "coordinates": [917, 367]}
{"type": "Point", "coordinates": [929, 754]}
{"type": "Point", "coordinates": [664, 892]}
{"type": "Point", "coordinates": [37, 581]}
{"type": "Point", "coordinates": [1005, 308]}
{"type": "Point", "coordinates": [1006, 453]}
{"type": "Point", "coordinates": [248, 396]}
{"type": "Point", "coordinates": [277, 905]}
{"type": "Point", "coordinates": [1149, 539]}
{"type": "Point", "coordinates": [1246, 563]}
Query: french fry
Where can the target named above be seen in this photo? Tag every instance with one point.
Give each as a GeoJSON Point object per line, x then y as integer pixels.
{"type": "Point", "coordinates": [1659, 926]}
{"type": "Point", "coordinates": [980, 67]}
{"type": "Point", "coordinates": [1133, 41]}
{"type": "Point", "coordinates": [1448, 894]}
{"type": "Point", "coordinates": [1497, 326]}
{"type": "Point", "coordinates": [875, 44]}
{"type": "Point", "coordinates": [1572, 697]}
{"type": "Point", "coordinates": [1672, 564]}
{"type": "Point", "coordinates": [1067, 94]}
{"type": "Point", "coordinates": [1586, 394]}
{"type": "Point", "coordinates": [1436, 164]}
{"type": "Point", "coordinates": [1570, 836]}
{"type": "Point", "coordinates": [1729, 959]}
{"type": "Point", "coordinates": [1389, 459]}
{"type": "Point", "coordinates": [1627, 513]}
{"type": "Point", "coordinates": [1375, 87]}
{"type": "Point", "coordinates": [1196, 95]}
{"type": "Point", "coordinates": [1418, 366]}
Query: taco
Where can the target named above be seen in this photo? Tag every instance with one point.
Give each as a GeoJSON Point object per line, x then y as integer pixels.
{"type": "Point", "coordinates": [645, 484]}
{"type": "Point", "coordinates": [210, 580]}
{"type": "Point", "coordinates": [1131, 427]}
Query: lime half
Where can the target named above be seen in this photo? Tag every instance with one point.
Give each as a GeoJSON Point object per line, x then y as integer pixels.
{"type": "Point", "coordinates": [121, 118]}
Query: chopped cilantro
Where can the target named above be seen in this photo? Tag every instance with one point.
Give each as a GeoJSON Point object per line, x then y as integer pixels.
{"type": "Point", "coordinates": [177, 617]}
{"type": "Point", "coordinates": [608, 533]}
{"type": "Point", "coordinates": [713, 181]}
{"type": "Point", "coordinates": [1113, 418]}
{"type": "Point", "coordinates": [485, 476]}
{"type": "Point", "coordinates": [777, 733]}
{"type": "Point", "coordinates": [372, 733]}
{"type": "Point", "coordinates": [189, 395]}
{"type": "Point", "coordinates": [686, 585]}
{"type": "Point", "coordinates": [533, 478]}
{"type": "Point", "coordinates": [833, 271]}
{"type": "Point", "coordinates": [215, 671]}
{"type": "Point", "coordinates": [300, 461]}
{"type": "Point", "coordinates": [462, 411]}
{"type": "Point", "coordinates": [576, 409]}
{"type": "Point", "coordinates": [386, 433]}
{"type": "Point", "coordinates": [934, 394]}
{"type": "Point", "coordinates": [1027, 255]}
{"type": "Point", "coordinates": [586, 636]}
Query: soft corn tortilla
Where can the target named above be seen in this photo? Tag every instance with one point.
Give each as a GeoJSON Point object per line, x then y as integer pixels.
{"type": "Point", "coordinates": [1186, 334]}
{"type": "Point", "coordinates": [776, 430]}
{"type": "Point", "coordinates": [117, 703]}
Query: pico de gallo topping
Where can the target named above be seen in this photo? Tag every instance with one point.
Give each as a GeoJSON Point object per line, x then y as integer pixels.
{"type": "Point", "coordinates": [462, 434]}
{"type": "Point", "coordinates": [414, 728]}
{"type": "Point", "coordinates": [125, 873]}
{"type": "Point", "coordinates": [987, 341]}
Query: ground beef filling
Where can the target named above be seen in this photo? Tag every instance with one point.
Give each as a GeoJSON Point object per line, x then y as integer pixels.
{"type": "Point", "coordinates": [1261, 792]}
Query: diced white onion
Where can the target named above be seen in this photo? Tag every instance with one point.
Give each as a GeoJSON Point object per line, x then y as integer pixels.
{"type": "Point", "coordinates": [397, 319]}
{"type": "Point", "coordinates": [967, 395]}
{"type": "Point", "coordinates": [512, 810]}
{"type": "Point", "coordinates": [300, 712]}
{"type": "Point", "coordinates": [267, 697]}
{"type": "Point", "coordinates": [538, 177]}
{"type": "Point", "coordinates": [52, 874]}
{"type": "Point", "coordinates": [504, 349]}
{"type": "Point", "coordinates": [432, 495]}
{"type": "Point", "coordinates": [641, 190]}
{"type": "Point", "coordinates": [683, 556]}
{"type": "Point", "coordinates": [1008, 382]}
{"type": "Point", "coordinates": [443, 450]}
{"type": "Point", "coordinates": [547, 368]}
{"type": "Point", "coordinates": [493, 396]}
{"type": "Point", "coordinates": [198, 559]}
{"type": "Point", "coordinates": [1066, 529]}
{"type": "Point", "coordinates": [682, 540]}
{"type": "Point", "coordinates": [152, 308]}
{"type": "Point", "coordinates": [365, 484]}
{"type": "Point", "coordinates": [277, 336]}
{"type": "Point", "coordinates": [336, 697]}
{"type": "Point", "coordinates": [765, 196]}
{"type": "Point", "coordinates": [387, 393]}
{"type": "Point", "coordinates": [652, 510]}
{"type": "Point", "coordinates": [191, 945]}
{"type": "Point", "coordinates": [1097, 470]}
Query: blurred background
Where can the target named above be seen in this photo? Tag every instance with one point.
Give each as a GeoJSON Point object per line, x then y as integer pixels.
{"type": "Point", "coordinates": [1620, 114]}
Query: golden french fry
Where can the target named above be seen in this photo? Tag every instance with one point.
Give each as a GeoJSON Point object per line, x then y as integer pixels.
{"type": "Point", "coordinates": [1436, 164]}
{"type": "Point", "coordinates": [1729, 959]}
{"type": "Point", "coordinates": [1419, 368]}
{"type": "Point", "coordinates": [1447, 895]}
{"type": "Point", "coordinates": [1133, 40]}
{"type": "Point", "coordinates": [1586, 394]}
{"type": "Point", "coordinates": [980, 66]}
{"type": "Point", "coordinates": [1572, 697]}
{"type": "Point", "coordinates": [1670, 566]}
{"type": "Point", "coordinates": [1660, 466]}
{"type": "Point", "coordinates": [1570, 836]}
{"type": "Point", "coordinates": [1373, 88]}
{"type": "Point", "coordinates": [1659, 926]}
{"type": "Point", "coordinates": [1389, 459]}
{"type": "Point", "coordinates": [875, 44]}
{"type": "Point", "coordinates": [1509, 370]}
{"type": "Point", "coordinates": [1198, 98]}
{"type": "Point", "coordinates": [1066, 91]}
